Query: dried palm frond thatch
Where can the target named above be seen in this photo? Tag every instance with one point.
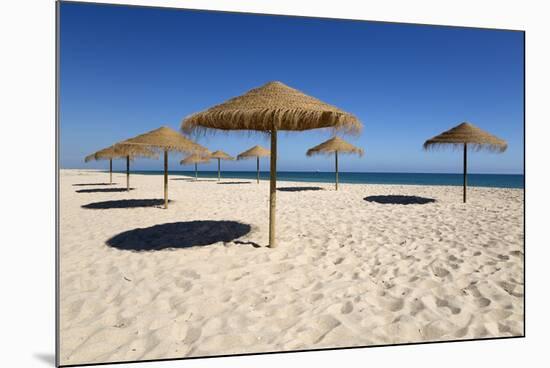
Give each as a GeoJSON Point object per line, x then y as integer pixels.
{"type": "Point", "coordinates": [89, 158]}
{"type": "Point", "coordinates": [463, 136]}
{"type": "Point", "coordinates": [121, 151]}
{"type": "Point", "coordinates": [195, 159]}
{"type": "Point", "coordinates": [117, 151]}
{"type": "Point", "coordinates": [466, 133]}
{"type": "Point", "coordinates": [256, 151]}
{"type": "Point", "coordinates": [270, 108]}
{"type": "Point", "coordinates": [220, 155]}
{"type": "Point", "coordinates": [273, 106]}
{"type": "Point", "coordinates": [335, 145]}
{"type": "Point", "coordinates": [166, 139]}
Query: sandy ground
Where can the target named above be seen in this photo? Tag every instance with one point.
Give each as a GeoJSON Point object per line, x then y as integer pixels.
{"type": "Point", "coordinates": [353, 268]}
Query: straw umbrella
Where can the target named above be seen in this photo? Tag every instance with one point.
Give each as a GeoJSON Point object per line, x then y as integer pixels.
{"type": "Point", "coordinates": [270, 108]}
{"type": "Point", "coordinates": [166, 139]}
{"type": "Point", "coordinates": [463, 136]}
{"type": "Point", "coordinates": [121, 151]}
{"type": "Point", "coordinates": [334, 145]}
{"type": "Point", "coordinates": [256, 151]}
{"type": "Point", "coordinates": [107, 153]}
{"type": "Point", "coordinates": [195, 159]}
{"type": "Point", "coordinates": [220, 155]}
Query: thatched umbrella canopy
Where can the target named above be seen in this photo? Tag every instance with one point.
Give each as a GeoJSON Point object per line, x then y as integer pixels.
{"type": "Point", "coordinates": [166, 139]}
{"type": "Point", "coordinates": [256, 151]}
{"type": "Point", "coordinates": [335, 145]}
{"type": "Point", "coordinates": [270, 108]}
{"type": "Point", "coordinates": [117, 151]}
{"type": "Point", "coordinates": [463, 136]}
{"type": "Point", "coordinates": [220, 155]}
{"type": "Point", "coordinates": [195, 159]}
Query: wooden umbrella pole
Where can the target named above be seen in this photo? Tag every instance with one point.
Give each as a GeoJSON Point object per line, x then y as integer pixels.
{"type": "Point", "coordinates": [165, 179]}
{"type": "Point", "coordinates": [272, 188]}
{"type": "Point", "coordinates": [336, 161]}
{"type": "Point", "coordinates": [196, 175]}
{"type": "Point", "coordinates": [258, 169]}
{"type": "Point", "coordinates": [111, 171]}
{"type": "Point", "coordinates": [218, 169]}
{"type": "Point", "coordinates": [127, 173]}
{"type": "Point", "coordinates": [465, 169]}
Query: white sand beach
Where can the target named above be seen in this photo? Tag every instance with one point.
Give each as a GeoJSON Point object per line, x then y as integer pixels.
{"type": "Point", "coordinates": [348, 271]}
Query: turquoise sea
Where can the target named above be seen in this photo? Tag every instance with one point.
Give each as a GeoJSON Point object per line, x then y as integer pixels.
{"type": "Point", "coordinates": [474, 180]}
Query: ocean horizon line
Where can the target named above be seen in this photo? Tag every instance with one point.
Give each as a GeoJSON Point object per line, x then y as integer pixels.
{"type": "Point", "coordinates": [345, 177]}
{"type": "Point", "coordinates": [295, 171]}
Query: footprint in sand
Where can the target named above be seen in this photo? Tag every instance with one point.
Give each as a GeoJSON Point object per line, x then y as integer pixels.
{"type": "Point", "coordinates": [319, 329]}
{"type": "Point", "coordinates": [184, 285]}
{"type": "Point", "coordinates": [393, 304]}
{"type": "Point", "coordinates": [74, 309]}
{"type": "Point", "coordinates": [480, 331]}
{"type": "Point", "coordinates": [516, 253]}
{"type": "Point", "coordinates": [461, 332]}
{"type": "Point", "coordinates": [433, 330]}
{"type": "Point", "coordinates": [397, 305]}
{"type": "Point", "coordinates": [452, 258]}
{"type": "Point", "coordinates": [416, 307]}
{"type": "Point", "coordinates": [190, 274]}
{"type": "Point", "coordinates": [315, 297]}
{"type": "Point", "coordinates": [509, 288]}
{"type": "Point", "coordinates": [442, 303]}
{"type": "Point", "coordinates": [193, 334]}
{"type": "Point", "coordinates": [502, 328]}
{"type": "Point", "coordinates": [440, 271]}
{"type": "Point", "coordinates": [472, 290]}
{"type": "Point", "coordinates": [483, 302]}
{"type": "Point", "coordinates": [347, 308]}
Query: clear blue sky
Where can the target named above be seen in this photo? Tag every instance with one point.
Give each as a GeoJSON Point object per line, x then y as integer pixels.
{"type": "Point", "coordinates": [128, 70]}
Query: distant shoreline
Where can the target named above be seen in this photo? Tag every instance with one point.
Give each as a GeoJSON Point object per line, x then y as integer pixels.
{"type": "Point", "coordinates": [513, 181]}
{"type": "Point", "coordinates": [299, 171]}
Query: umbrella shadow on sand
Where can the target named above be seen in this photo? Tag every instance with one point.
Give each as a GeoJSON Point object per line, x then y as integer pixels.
{"type": "Point", "coordinates": [398, 199]}
{"type": "Point", "coordinates": [247, 242]}
{"type": "Point", "coordinates": [103, 190]}
{"type": "Point", "coordinates": [179, 235]}
{"type": "Point", "coordinates": [299, 189]}
{"type": "Point", "coordinates": [194, 180]}
{"type": "Point", "coordinates": [88, 184]}
{"type": "Point", "coordinates": [234, 182]}
{"type": "Point", "coordinates": [125, 203]}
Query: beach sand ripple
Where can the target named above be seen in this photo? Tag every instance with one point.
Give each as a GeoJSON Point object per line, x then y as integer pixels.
{"type": "Point", "coordinates": [365, 265]}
